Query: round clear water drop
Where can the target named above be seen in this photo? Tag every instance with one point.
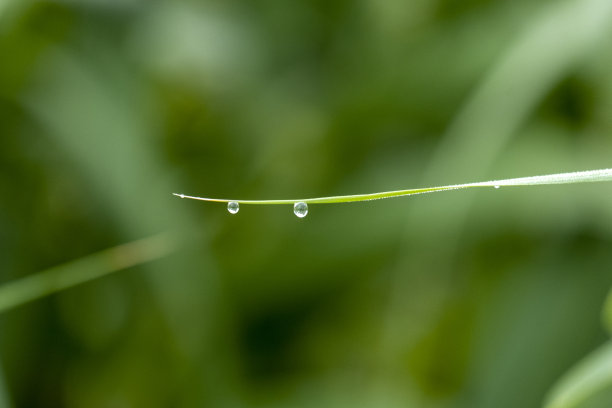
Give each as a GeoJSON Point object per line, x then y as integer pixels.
{"type": "Point", "coordinates": [233, 207]}
{"type": "Point", "coordinates": [496, 186]}
{"type": "Point", "coordinates": [300, 209]}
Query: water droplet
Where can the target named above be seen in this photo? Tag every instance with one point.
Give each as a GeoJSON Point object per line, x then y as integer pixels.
{"type": "Point", "coordinates": [300, 209]}
{"type": "Point", "coordinates": [496, 186]}
{"type": "Point", "coordinates": [233, 207]}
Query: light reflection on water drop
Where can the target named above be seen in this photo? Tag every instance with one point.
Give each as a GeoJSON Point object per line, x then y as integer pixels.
{"type": "Point", "coordinates": [300, 209]}
{"type": "Point", "coordinates": [233, 207]}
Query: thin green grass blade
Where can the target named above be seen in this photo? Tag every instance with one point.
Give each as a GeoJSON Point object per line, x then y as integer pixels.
{"type": "Point", "coordinates": [607, 313]}
{"type": "Point", "coordinates": [82, 270]}
{"type": "Point", "coordinates": [4, 395]}
{"type": "Point", "coordinates": [590, 377]}
{"type": "Point", "coordinates": [560, 178]}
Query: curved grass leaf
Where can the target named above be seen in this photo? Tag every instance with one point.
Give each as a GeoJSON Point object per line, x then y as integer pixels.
{"type": "Point", "coordinates": [560, 178]}
{"type": "Point", "coordinates": [592, 376]}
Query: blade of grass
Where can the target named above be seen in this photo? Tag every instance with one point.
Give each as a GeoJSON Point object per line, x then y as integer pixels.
{"type": "Point", "coordinates": [4, 396]}
{"type": "Point", "coordinates": [607, 313]}
{"type": "Point", "coordinates": [82, 270]}
{"type": "Point", "coordinates": [534, 63]}
{"type": "Point", "coordinates": [589, 377]}
{"type": "Point", "coordinates": [95, 108]}
{"type": "Point", "coordinates": [560, 178]}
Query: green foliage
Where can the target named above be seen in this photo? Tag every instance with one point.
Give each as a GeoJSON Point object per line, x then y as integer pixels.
{"type": "Point", "coordinates": [477, 298]}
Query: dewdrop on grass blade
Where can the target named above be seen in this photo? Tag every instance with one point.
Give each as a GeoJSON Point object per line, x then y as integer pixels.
{"type": "Point", "coordinates": [300, 209]}
{"type": "Point", "coordinates": [233, 207]}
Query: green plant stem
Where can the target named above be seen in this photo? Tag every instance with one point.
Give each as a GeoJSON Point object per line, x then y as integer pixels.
{"type": "Point", "coordinates": [560, 178]}
{"type": "Point", "coordinates": [82, 270]}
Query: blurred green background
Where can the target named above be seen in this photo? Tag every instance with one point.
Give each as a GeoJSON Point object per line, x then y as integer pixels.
{"type": "Point", "coordinates": [457, 299]}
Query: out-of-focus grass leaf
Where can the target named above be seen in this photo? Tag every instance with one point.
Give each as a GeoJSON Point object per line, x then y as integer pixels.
{"type": "Point", "coordinates": [582, 384]}
{"type": "Point", "coordinates": [607, 313]}
{"type": "Point", "coordinates": [4, 398]}
{"type": "Point", "coordinates": [82, 270]}
{"type": "Point", "coordinates": [99, 114]}
{"type": "Point", "coordinates": [3, 4]}
{"type": "Point", "coordinates": [533, 64]}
